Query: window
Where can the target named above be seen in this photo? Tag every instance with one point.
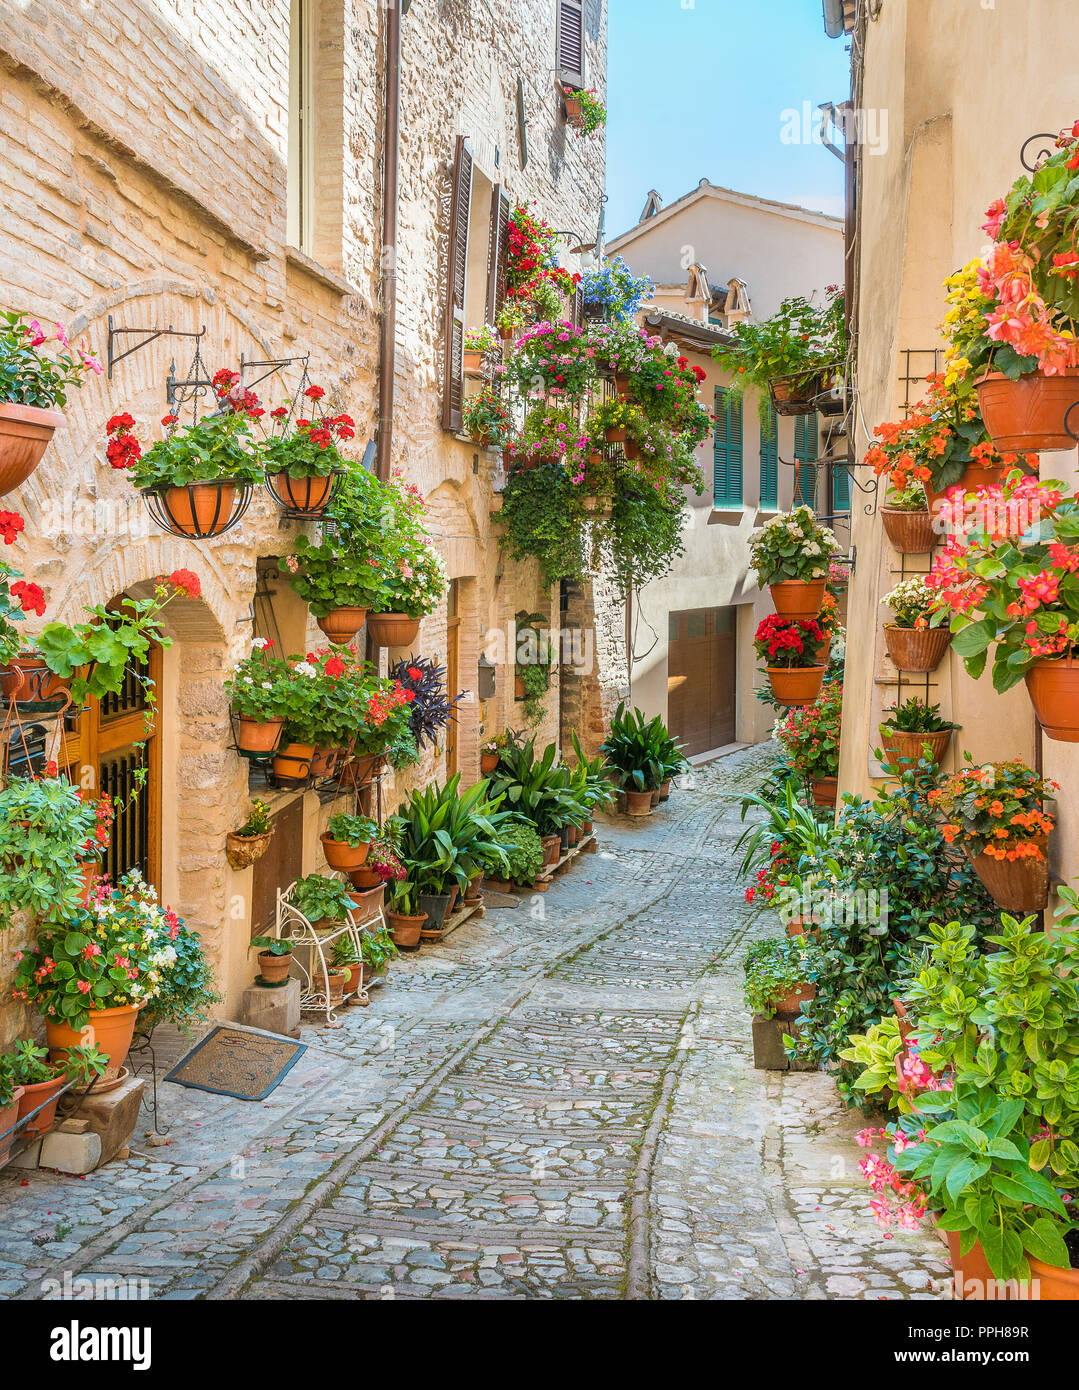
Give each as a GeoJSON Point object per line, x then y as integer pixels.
{"type": "Point", "coordinates": [727, 480]}
{"type": "Point", "coordinates": [769, 500]}
{"type": "Point", "coordinates": [300, 200]}
{"type": "Point", "coordinates": [806, 437]}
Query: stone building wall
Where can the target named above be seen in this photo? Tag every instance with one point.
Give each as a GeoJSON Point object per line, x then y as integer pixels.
{"type": "Point", "coordinates": [143, 174]}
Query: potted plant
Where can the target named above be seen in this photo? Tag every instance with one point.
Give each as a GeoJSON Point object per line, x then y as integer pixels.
{"type": "Point", "coordinates": [92, 969]}
{"type": "Point", "coordinates": [912, 731]}
{"type": "Point", "coordinates": [809, 736]}
{"type": "Point", "coordinates": [33, 392]}
{"type": "Point", "coordinates": [405, 918]}
{"type": "Point", "coordinates": [791, 648]}
{"type": "Point", "coordinates": [790, 553]}
{"type": "Point", "coordinates": [10, 1098]}
{"type": "Point", "coordinates": [382, 865]}
{"type": "Point", "coordinates": [551, 435]}
{"type": "Point", "coordinates": [48, 830]}
{"type": "Point", "coordinates": [413, 583]}
{"type": "Point", "coordinates": [614, 293]}
{"type": "Point", "coordinates": [524, 854]}
{"type": "Point", "coordinates": [779, 975]}
{"type": "Point", "coordinates": [486, 420]}
{"type": "Point", "coordinates": [536, 788]}
{"type": "Point", "coordinates": [301, 457]}
{"type": "Point", "coordinates": [1024, 350]}
{"type": "Point", "coordinates": [339, 583]}
{"type": "Point", "coordinates": [912, 643]}
{"type": "Point", "coordinates": [996, 814]}
{"type": "Point", "coordinates": [479, 344]}
{"type": "Point", "coordinates": [42, 1080]}
{"type": "Point", "coordinates": [377, 950]}
{"type": "Point", "coordinates": [347, 956]}
{"type": "Point", "coordinates": [636, 748]}
{"type": "Point", "coordinates": [247, 845]}
{"type": "Point", "coordinates": [584, 111]}
{"type": "Point", "coordinates": [423, 682]}
{"type": "Point", "coordinates": [323, 902]}
{"type": "Point", "coordinates": [794, 355]}
{"type": "Point", "coordinates": [346, 840]}
{"type": "Point", "coordinates": [511, 320]}
{"type": "Point", "coordinates": [261, 689]}
{"type": "Point", "coordinates": [907, 520]}
{"type": "Point", "coordinates": [1015, 593]}
{"type": "Point", "coordinates": [191, 477]}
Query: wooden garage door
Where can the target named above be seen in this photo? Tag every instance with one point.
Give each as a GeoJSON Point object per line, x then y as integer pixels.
{"type": "Point", "coordinates": [700, 677]}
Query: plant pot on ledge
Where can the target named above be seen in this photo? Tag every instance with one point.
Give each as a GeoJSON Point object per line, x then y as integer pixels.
{"type": "Point", "coordinates": [825, 790]}
{"type": "Point", "coordinates": [917, 648]}
{"type": "Point", "coordinates": [258, 735]}
{"type": "Point", "coordinates": [792, 1003]}
{"type": "Point", "coordinates": [910, 532]}
{"type": "Point", "coordinates": [25, 434]}
{"type": "Point", "coordinates": [273, 970]}
{"type": "Point", "coordinates": [797, 598]}
{"type": "Point", "coordinates": [796, 685]}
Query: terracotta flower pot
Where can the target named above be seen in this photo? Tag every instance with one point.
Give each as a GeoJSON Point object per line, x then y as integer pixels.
{"type": "Point", "coordinates": [35, 1094]}
{"type": "Point", "coordinates": [975, 476]}
{"type": "Point", "coordinates": [574, 115]}
{"type": "Point", "coordinates": [274, 969]}
{"type": "Point", "coordinates": [292, 763]}
{"type": "Point", "coordinates": [324, 761]}
{"type": "Point", "coordinates": [797, 598]}
{"type": "Point", "coordinates": [488, 763]}
{"type": "Point", "coordinates": [910, 532]}
{"type": "Point", "coordinates": [406, 930]}
{"type": "Point", "coordinates": [26, 679]}
{"type": "Point", "coordinates": [335, 980]}
{"type": "Point", "coordinates": [244, 850]}
{"type": "Point", "coordinates": [258, 735]}
{"type": "Point", "coordinates": [1027, 415]}
{"type": "Point", "coordinates": [392, 629]}
{"type": "Point", "coordinates": [621, 385]}
{"type": "Point", "coordinates": [9, 1114]}
{"type": "Point", "coordinates": [574, 835]}
{"type": "Point", "coordinates": [1053, 687]}
{"type": "Point", "coordinates": [587, 828]}
{"type": "Point", "coordinates": [473, 893]}
{"type": "Point", "coordinates": [796, 685]}
{"type": "Point", "coordinates": [900, 745]}
{"type": "Point", "coordinates": [917, 648]}
{"type": "Point", "coordinates": [367, 903]}
{"type": "Point", "coordinates": [472, 362]}
{"type": "Point", "coordinates": [25, 433]}
{"type": "Point", "coordinates": [1016, 885]}
{"type": "Point", "coordinates": [367, 767]}
{"type": "Point", "coordinates": [201, 509]}
{"type": "Point", "coordinates": [364, 877]}
{"type": "Point", "coordinates": [551, 847]}
{"type": "Point", "coordinates": [797, 927]}
{"type": "Point", "coordinates": [825, 790]}
{"type": "Point", "coordinates": [310, 496]}
{"type": "Point", "coordinates": [518, 688]}
{"type": "Point", "coordinates": [109, 1029]}
{"type": "Point", "coordinates": [638, 803]}
{"type": "Point", "coordinates": [341, 855]}
{"type": "Point", "coordinates": [631, 450]}
{"type": "Point", "coordinates": [615, 434]}
{"type": "Point", "coordinates": [792, 1002]}
{"type": "Point", "coordinates": [356, 973]}
{"type": "Point", "coordinates": [342, 624]}
{"type": "Point", "coordinates": [973, 1278]}
{"type": "Point", "coordinates": [664, 791]}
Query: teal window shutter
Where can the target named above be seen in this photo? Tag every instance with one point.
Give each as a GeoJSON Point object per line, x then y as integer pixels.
{"type": "Point", "coordinates": [840, 488]}
{"type": "Point", "coordinates": [727, 479]}
{"type": "Point", "coordinates": [769, 459]}
{"type": "Point", "coordinates": [806, 436]}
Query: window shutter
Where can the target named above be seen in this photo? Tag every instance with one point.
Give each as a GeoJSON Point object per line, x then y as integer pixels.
{"type": "Point", "coordinates": [727, 480]}
{"type": "Point", "coordinates": [770, 460]}
{"type": "Point", "coordinates": [497, 252]}
{"type": "Point", "coordinates": [454, 382]}
{"type": "Point", "coordinates": [576, 307]}
{"type": "Point", "coordinates": [840, 488]}
{"type": "Point", "coordinates": [806, 438]}
{"type": "Point", "coordinates": [570, 42]}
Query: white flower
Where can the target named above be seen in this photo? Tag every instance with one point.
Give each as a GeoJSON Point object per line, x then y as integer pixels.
{"type": "Point", "coordinates": [304, 668]}
{"type": "Point", "coordinates": [267, 685]}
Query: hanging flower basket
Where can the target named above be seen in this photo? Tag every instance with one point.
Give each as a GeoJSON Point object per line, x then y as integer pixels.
{"type": "Point", "coordinates": [25, 434]}
{"type": "Point", "coordinates": [392, 629]}
{"type": "Point", "coordinates": [1053, 687]}
{"type": "Point", "coordinates": [342, 624]}
{"type": "Point", "coordinates": [804, 393]}
{"type": "Point", "coordinates": [302, 498]}
{"type": "Point", "coordinates": [1028, 413]}
{"type": "Point", "coordinates": [798, 598]}
{"type": "Point", "coordinates": [796, 685]}
{"type": "Point", "coordinates": [917, 648]}
{"type": "Point", "coordinates": [910, 532]}
{"type": "Point", "coordinates": [1016, 885]}
{"type": "Point", "coordinates": [198, 511]}
{"type": "Point", "coordinates": [975, 476]}
{"type": "Point", "coordinates": [28, 682]}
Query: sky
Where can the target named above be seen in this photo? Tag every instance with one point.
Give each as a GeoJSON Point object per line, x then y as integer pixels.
{"type": "Point", "coordinates": [698, 89]}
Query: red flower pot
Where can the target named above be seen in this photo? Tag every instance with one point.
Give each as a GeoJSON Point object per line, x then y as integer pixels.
{"type": "Point", "coordinates": [488, 763]}
{"type": "Point", "coordinates": [37, 1094]}
{"type": "Point", "coordinates": [406, 930]}
{"type": "Point", "coordinates": [791, 1003]}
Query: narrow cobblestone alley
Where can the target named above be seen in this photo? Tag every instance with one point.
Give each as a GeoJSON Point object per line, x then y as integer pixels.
{"type": "Point", "coordinates": [558, 1102]}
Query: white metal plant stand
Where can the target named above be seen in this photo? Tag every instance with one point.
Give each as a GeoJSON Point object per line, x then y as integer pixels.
{"type": "Point", "coordinates": [314, 972]}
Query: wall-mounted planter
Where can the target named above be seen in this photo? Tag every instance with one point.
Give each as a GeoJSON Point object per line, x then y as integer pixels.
{"type": "Point", "coordinates": [910, 532]}
{"type": "Point", "coordinates": [303, 498]}
{"type": "Point", "coordinates": [342, 624]}
{"type": "Point", "coordinates": [796, 685]}
{"type": "Point", "coordinates": [392, 629]}
{"type": "Point", "coordinates": [1016, 885]}
{"type": "Point", "coordinates": [1027, 415]}
{"type": "Point", "coordinates": [1053, 687]}
{"type": "Point", "coordinates": [917, 648]}
{"type": "Point", "coordinates": [25, 434]}
{"type": "Point", "coordinates": [905, 750]}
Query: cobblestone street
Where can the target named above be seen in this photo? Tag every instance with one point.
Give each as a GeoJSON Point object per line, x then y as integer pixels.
{"type": "Point", "coordinates": [558, 1102]}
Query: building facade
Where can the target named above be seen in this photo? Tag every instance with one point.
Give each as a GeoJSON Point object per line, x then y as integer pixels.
{"type": "Point", "coordinates": [219, 172]}
{"type": "Point", "coordinates": [716, 258]}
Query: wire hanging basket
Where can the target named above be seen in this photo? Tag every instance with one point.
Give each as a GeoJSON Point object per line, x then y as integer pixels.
{"type": "Point", "coordinates": [198, 511]}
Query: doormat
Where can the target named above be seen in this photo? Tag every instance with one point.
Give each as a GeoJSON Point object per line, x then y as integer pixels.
{"type": "Point", "coordinates": [230, 1062]}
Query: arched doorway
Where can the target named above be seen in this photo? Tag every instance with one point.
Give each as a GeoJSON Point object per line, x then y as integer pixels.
{"type": "Point", "coordinates": [106, 746]}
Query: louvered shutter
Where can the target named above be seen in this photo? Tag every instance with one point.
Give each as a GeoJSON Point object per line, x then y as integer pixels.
{"type": "Point", "coordinates": [570, 42]}
{"type": "Point", "coordinates": [727, 450]}
{"type": "Point", "coordinates": [769, 500]}
{"type": "Point", "coordinates": [576, 306]}
{"type": "Point", "coordinates": [806, 438]}
{"type": "Point", "coordinates": [454, 383]}
{"type": "Point", "coordinates": [497, 253]}
{"type": "Point", "coordinates": [840, 488]}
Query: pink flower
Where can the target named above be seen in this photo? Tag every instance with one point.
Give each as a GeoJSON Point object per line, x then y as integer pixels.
{"type": "Point", "coordinates": [84, 986]}
{"type": "Point", "coordinates": [61, 335]}
{"type": "Point", "coordinates": [35, 332]}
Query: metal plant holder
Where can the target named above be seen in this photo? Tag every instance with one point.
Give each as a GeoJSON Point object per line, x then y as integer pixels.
{"type": "Point", "coordinates": [190, 526]}
{"type": "Point", "coordinates": [313, 952]}
{"type": "Point", "coordinates": [793, 394]}
{"type": "Point", "coordinates": [305, 500]}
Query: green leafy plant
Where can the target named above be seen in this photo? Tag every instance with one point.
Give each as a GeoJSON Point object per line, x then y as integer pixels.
{"type": "Point", "coordinates": [914, 716]}
{"type": "Point", "coordinates": [307, 448]}
{"type": "Point", "coordinates": [377, 949]}
{"type": "Point", "coordinates": [273, 945]}
{"type": "Point", "coordinates": [47, 832]}
{"type": "Point", "coordinates": [593, 114]}
{"type": "Point", "coordinates": [774, 968]}
{"type": "Point", "coordinates": [641, 751]}
{"type": "Point", "coordinates": [485, 419]}
{"type": "Point", "coordinates": [482, 339]}
{"type": "Point", "coordinates": [27, 376]}
{"type": "Point", "coordinates": [996, 809]}
{"type": "Point", "coordinates": [523, 852]}
{"type": "Point", "coordinates": [543, 513]}
{"type": "Point", "coordinates": [321, 899]}
{"type": "Point", "coordinates": [29, 1064]}
{"type": "Point", "coordinates": [217, 448]}
{"type": "Point", "coordinates": [352, 830]}
{"type": "Point", "coordinates": [259, 822]}
{"type": "Point", "coordinates": [809, 734]}
{"type": "Point", "coordinates": [537, 788]}
{"type": "Point", "coordinates": [791, 545]}
{"type": "Point", "coordinates": [438, 833]}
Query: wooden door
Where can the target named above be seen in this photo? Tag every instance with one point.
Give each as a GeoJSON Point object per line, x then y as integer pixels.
{"type": "Point", "coordinates": [453, 634]}
{"type": "Point", "coordinates": [106, 752]}
{"type": "Point", "coordinates": [281, 865]}
{"type": "Point", "coordinates": [701, 678]}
